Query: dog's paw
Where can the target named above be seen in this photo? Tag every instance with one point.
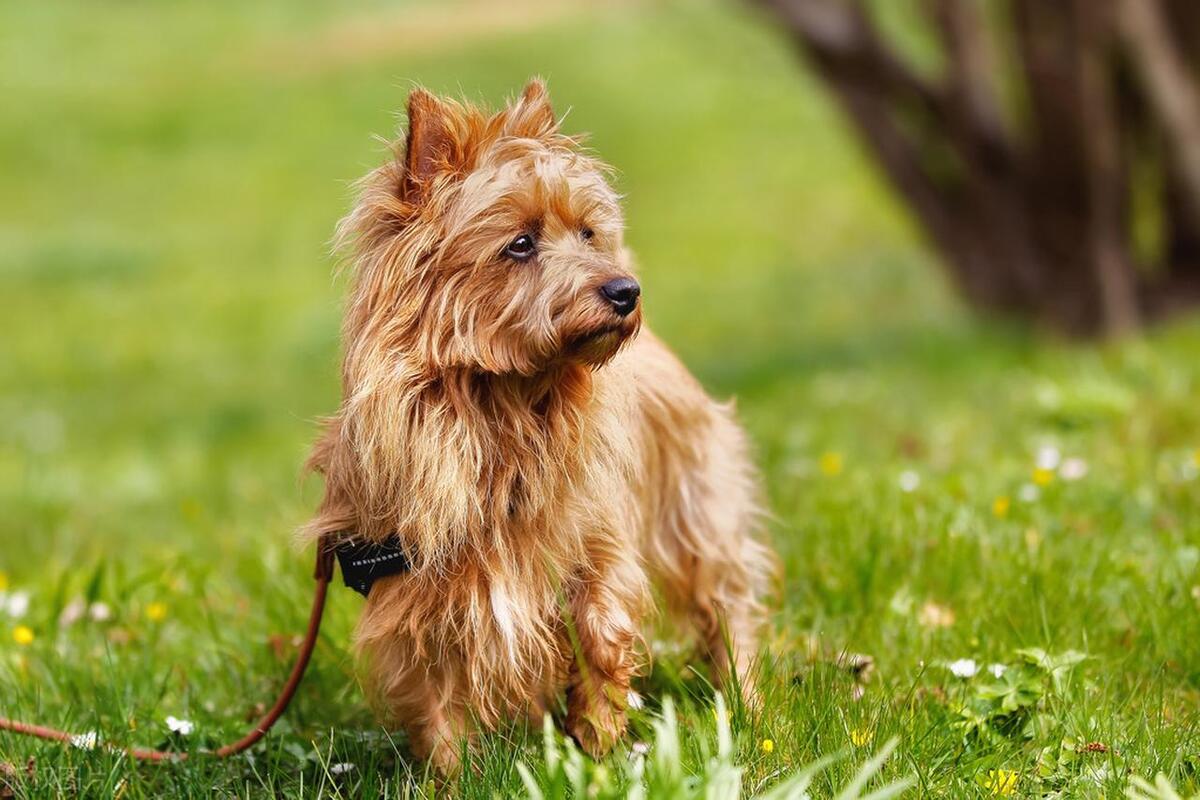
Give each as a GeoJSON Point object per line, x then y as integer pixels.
{"type": "Point", "coordinates": [597, 725]}
{"type": "Point", "coordinates": [445, 758]}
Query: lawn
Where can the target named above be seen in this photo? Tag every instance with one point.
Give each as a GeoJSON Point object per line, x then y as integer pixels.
{"type": "Point", "coordinates": [952, 497]}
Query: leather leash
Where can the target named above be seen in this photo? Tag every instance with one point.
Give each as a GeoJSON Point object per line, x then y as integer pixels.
{"type": "Point", "coordinates": [322, 574]}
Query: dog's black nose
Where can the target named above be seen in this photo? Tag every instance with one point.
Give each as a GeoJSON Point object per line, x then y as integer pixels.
{"type": "Point", "coordinates": [623, 294]}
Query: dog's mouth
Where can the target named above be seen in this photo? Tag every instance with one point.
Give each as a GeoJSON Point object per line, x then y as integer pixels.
{"type": "Point", "coordinates": [600, 344]}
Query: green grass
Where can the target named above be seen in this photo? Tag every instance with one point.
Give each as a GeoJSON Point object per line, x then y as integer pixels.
{"type": "Point", "coordinates": [170, 174]}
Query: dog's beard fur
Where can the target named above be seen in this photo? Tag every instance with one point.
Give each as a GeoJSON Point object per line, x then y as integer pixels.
{"type": "Point", "coordinates": [481, 424]}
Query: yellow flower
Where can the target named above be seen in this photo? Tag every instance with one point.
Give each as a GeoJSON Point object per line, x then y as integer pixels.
{"type": "Point", "coordinates": [1196, 457]}
{"type": "Point", "coordinates": [156, 612]}
{"type": "Point", "coordinates": [1043, 477]}
{"type": "Point", "coordinates": [23, 635]}
{"type": "Point", "coordinates": [3, 581]}
{"type": "Point", "coordinates": [1033, 539]}
{"type": "Point", "coordinates": [1000, 506]}
{"type": "Point", "coordinates": [1001, 781]}
{"type": "Point", "coordinates": [768, 746]}
{"type": "Point", "coordinates": [831, 463]}
{"type": "Point", "coordinates": [861, 737]}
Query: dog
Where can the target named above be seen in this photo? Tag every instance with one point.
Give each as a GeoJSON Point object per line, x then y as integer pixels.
{"type": "Point", "coordinates": [551, 471]}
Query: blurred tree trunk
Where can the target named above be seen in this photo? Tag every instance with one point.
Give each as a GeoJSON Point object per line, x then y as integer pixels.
{"type": "Point", "coordinates": [1053, 159]}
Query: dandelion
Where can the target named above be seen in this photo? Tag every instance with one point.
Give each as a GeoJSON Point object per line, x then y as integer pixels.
{"type": "Point", "coordinates": [85, 741]}
{"type": "Point", "coordinates": [1043, 477]}
{"type": "Point", "coordinates": [156, 611]}
{"type": "Point", "coordinates": [1029, 493]}
{"type": "Point", "coordinates": [341, 768]}
{"type": "Point", "coordinates": [1048, 458]}
{"type": "Point", "coordinates": [831, 464]}
{"type": "Point", "coordinates": [963, 668]}
{"type": "Point", "coordinates": [23, 635]}
{"type": "Point", "coordinates": [768, 746]}
{"type": "Point", "coordinates": [909, 481]}
{"type": "Point", "coordinates": [17, 604]}
{"type": "Point", "coordinates": [3, 581]}
{"type": "Point", "coordinates": [182, 727]}
{"type": "Point", "coordinates": [1001, 781]}
{"type": "Point", "coordinates": [997, 670]}
{"type": "Point", "coordinates": [1000, 506]}
{"type": "Point", "coordinates": [1073, 469]}
{"type": "Point", "coordinates": [861, 737]}
{"type": "Point", "coordinates": [100, 612]}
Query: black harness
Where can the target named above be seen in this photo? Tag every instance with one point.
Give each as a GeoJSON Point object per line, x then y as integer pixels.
{"type": "Point", "coordinates": [363, 563]}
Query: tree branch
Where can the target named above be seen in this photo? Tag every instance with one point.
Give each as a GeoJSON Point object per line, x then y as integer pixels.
{"type": "Point", "coordinates": [1170, 88]}
{"type": "Point", "coordinates": [842, 38]}
{"type": "Point", "coordinates": [971, 69]}
{"type": "Point", "coordinates": [1106, 178]}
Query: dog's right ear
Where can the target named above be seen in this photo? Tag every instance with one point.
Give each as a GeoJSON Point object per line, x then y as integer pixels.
{"type": "Point", "coordinates": [428, 148]}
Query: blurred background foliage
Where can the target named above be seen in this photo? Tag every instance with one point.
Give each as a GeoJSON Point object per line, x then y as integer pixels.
{"type": "Point", "coordinates": [172, 177]}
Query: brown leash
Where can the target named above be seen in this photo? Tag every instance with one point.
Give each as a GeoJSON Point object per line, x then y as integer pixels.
{"type": "Point", "coordinates": [323, 574]}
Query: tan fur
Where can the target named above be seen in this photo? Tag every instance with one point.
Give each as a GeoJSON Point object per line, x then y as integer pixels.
{"type": "Point", "coordinates": [542, 460]}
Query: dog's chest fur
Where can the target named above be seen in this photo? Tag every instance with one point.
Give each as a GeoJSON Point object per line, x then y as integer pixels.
{"type": "Point", "coordinates": [499, 496]}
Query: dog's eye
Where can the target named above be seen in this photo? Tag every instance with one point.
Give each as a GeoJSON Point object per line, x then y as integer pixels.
{"type": "Point", "coordinates": [587, 234]}
{"type": "Point", "coordinates": [521, 247]}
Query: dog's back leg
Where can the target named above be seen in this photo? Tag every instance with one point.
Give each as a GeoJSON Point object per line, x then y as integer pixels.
{"type": "Point", "coordinates": [710, 563]}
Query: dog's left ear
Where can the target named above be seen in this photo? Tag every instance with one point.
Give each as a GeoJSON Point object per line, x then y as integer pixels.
{"type": "Point", "coordinates": [532, 115]}
{"type": "Point", "coordinates": [430, 143]}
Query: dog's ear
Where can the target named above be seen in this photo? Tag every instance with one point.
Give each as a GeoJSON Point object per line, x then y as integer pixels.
{"type": "Point", "coordinates": [428, 148]}
{"type": "Point", "coordinates": [532, 115]}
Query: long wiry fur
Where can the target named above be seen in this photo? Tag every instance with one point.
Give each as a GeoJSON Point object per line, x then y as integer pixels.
{"type": "Point", "coordinates": [541, 460]}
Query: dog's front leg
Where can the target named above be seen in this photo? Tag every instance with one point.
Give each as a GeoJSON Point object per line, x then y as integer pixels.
{"type": "Point", "coordinates": [606, 613]}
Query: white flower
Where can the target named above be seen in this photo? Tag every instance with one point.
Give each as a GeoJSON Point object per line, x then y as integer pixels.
{"type": "Point", "coordinates": [1073, 469]}
{"type": "Point", "coordinates": [86, 741]}
{"type": "Point", "coordinates": [640, 748]}
{"type": "Point", "coordinates": [1048, 457]}
{"type": "Point", "coordinates": [1098, 774]}
{"type": "Point", "coordinates": [17, 604]}
{"type": "Point", "coordinates": [1029, 493]}
{"type": "Point", "coordinates": [182, 727]}
{"type": "Point", "coordinates": [72, 612]}
{"type": "Point", "coordinates": [963, 668]}
{"type": "Point", "coordinates": [634, 700]}
{"type": "Point", "coordinates": [100, 612]}
{"type": "Point", "coordinates": [1190, 471]}
{"type": "Point", "coordinates": [997, 670]}
{"type": "Point", "coordinates": [901, 602]}
{"type": "Point", "coordinates": [341, 769]}
{"type": "Point", "coordinates": [910, 481]}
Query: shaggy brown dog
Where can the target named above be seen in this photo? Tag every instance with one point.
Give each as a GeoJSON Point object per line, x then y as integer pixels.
{"type": "Point", "coordinates": [541, 461]}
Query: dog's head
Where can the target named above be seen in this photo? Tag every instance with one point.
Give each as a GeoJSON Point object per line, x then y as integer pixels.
{"type": "Point", "coordinates": [490, 242]}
